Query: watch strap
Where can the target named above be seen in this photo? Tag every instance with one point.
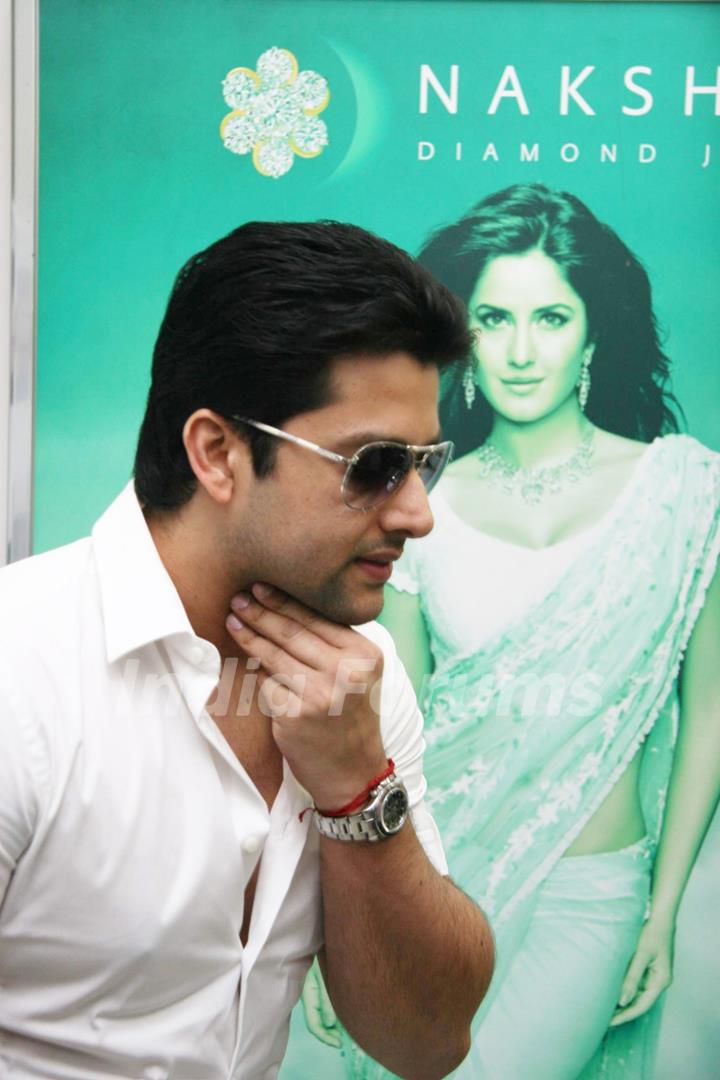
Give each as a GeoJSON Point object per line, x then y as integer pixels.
{"type": "Point", "coordinates": [349, 827]}
{"type": "Point", "coordinates": [363, 825]}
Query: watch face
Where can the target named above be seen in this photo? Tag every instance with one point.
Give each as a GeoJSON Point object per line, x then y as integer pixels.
{"type": "Point", "coordinates": [393, 811]}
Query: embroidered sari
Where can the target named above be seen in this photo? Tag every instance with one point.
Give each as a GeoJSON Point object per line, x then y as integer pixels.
{"type": "Point", "coordinates": [528, 735]}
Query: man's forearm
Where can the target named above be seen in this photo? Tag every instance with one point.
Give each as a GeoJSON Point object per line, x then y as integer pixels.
{"type": "Point", "coordinates": [408, 957]}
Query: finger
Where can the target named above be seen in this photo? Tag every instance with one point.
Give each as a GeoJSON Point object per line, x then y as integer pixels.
{"type": "Point", "coordinates": [298, 642]}
{"type": "Point", "coordinates": [290, 636]}
{"type": "Point", "coordinates": [633, 977]}
{"type": "Point", "coordinates": [629, 990]}
{"type": "Point", "coordinates": [640, 1005]}
{"type": "Point", "coordinates": [281, 696]}
{"type": "Point", "coordinates": [274, 659]}
{"type": "Point", "coordinates": [314, 1020]}
{"type": "Point", "coordinates": [332, 633]}
{"type": "Point", "coordinates": [328, 1036]}
{"type": "Point", "coordinates": [329, 1017]}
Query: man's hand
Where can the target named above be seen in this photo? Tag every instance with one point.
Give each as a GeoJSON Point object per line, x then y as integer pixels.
{"type": "Point", "coordinates": [320, 684]}
{"type": "Point", "coordinates": [406, 953]}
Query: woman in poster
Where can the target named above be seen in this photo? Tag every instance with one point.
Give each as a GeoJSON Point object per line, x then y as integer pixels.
{"type": "Point", "coordinates": [562, 626]}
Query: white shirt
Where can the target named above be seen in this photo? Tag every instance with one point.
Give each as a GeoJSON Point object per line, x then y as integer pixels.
{"type": "Point", "coordinates": [129, 831]}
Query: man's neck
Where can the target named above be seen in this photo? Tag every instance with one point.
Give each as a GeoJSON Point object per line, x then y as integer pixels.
{"type": "Point", "coordinates": [193, 560]}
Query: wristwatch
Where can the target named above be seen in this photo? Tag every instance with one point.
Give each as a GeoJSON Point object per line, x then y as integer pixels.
{"type": "Point", "coordinates": [383, 815]}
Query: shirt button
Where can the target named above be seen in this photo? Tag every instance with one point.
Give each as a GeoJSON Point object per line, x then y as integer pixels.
{"type": "Point", "coordinates": [197, 654]}
{"type": "Point", "coordinates": [251, 844]}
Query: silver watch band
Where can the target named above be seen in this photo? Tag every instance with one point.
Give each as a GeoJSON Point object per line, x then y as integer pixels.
{"type": "Point", "coordinates": [364, 825]}
{"type": "Point", "coordinates": [349, 827]}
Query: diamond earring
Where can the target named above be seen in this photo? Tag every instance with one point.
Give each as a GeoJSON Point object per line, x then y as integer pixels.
{"type": "Point", "coordinates": [583, 384]}
{"type": "Point", "coordinates": [468, 381]}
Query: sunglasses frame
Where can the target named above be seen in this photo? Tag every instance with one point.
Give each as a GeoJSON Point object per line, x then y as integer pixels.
{"type": "Point", "coordinates": [420, 454]}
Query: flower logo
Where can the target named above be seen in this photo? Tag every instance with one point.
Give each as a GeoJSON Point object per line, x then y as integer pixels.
{"type": "Point", "coordinates": [275, 112]}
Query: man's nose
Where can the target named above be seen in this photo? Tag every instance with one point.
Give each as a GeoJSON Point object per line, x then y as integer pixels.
{"type": "Point", "coordinates": [522, 348]}
{"type": "Point", "coordinates": [407, 510]}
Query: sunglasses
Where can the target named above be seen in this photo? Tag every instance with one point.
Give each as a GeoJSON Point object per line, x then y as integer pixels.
{"type": "Point", "coordinates": [376, 470]}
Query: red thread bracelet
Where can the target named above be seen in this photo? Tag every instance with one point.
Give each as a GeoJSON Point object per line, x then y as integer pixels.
{"type": "Point", "coordinates": [362, 798]}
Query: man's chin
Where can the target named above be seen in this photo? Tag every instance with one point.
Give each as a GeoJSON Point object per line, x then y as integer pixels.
{"type": "Point", "coordinates": [368, 611]}
{"type": "Point", "coordinates": [351, 610]}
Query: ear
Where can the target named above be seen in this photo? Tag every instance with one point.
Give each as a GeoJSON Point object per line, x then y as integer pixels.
{"type": "Point", "coordinates": [217, 456]}
{"type": "Point", "coordinates": [588, 353]}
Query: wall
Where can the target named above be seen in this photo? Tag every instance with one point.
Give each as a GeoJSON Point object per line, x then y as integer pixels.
{"type": "Point", "coordinates": [18, 199]}
{"type": "Point", "coordinates": [5, 148]}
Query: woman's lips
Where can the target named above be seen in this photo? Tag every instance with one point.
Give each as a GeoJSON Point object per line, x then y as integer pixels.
{"type": "Point", "coordinates": [521, 386]}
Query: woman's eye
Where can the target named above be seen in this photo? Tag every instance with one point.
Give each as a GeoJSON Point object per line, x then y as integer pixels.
{"type": "Point", "coordinates": [554, 319]}
{"type": "Point", "coordinates": [489, 320]}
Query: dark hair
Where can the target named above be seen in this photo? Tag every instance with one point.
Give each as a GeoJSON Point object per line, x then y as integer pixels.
{"type": "Point", "coordinates": [255, 321]}
{"type": "Point", "coordinates": [630, 372]}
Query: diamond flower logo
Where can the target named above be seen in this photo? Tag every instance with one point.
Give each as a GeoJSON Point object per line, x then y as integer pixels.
{"type": "Point", "coordinates": [275, 112]}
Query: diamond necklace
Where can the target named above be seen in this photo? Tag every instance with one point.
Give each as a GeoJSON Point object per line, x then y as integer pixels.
{"type": "Point", "coordinates": [534, 484]}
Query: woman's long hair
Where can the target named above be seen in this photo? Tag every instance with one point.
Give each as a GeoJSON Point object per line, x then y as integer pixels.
{"type": "Point", "coordinates": [630, 372]}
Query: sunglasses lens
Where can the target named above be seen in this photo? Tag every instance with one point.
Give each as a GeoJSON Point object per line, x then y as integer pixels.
{"type": "Point", "coordinates": [378, 471]}
{"type": "Point", "coordinates": [381, 468]}
{"type": "Point", "coordinates": [433, 463]}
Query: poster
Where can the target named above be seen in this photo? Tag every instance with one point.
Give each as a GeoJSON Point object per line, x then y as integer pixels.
{"type": "Point", "coordinates": [431, 107]}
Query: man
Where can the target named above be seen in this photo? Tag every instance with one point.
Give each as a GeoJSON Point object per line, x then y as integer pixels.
{"type": "Point", "coordinates": [205, 770]}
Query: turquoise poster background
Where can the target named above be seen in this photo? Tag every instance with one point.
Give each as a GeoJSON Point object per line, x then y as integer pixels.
{"type": "Point", "coordinates": [134, 176]}
{"type": "Point", "coordinates": [432, 106]}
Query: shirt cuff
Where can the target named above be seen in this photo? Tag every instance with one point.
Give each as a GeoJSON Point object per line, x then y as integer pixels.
{"type": "Point", "coordinates": [429, 836]}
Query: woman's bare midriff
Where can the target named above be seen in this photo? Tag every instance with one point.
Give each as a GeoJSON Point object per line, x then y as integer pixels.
{"type": "Point", "coordinates": [618, 821]}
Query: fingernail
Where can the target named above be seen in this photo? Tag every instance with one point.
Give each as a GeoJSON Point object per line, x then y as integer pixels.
{"type": "Point", "coordinates": [261, 589]}
{"type": "Point", "coordinates": [233, 623]}
{"type": "Point", "coordinates": [240, 601]}
{"type": "Point", "coordinates": [624, 999]}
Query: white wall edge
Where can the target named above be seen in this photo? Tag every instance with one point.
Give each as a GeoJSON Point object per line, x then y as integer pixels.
{"type": "Point", "coordinates": [5, 197]}
{"type": "Point", "coordinates": [20, 386]}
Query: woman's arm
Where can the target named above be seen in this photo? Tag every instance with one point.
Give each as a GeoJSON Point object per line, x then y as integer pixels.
{"type": "Point", "coordinates": [692, 798]}
{"type": "Point", "coordinates": [402, 617]}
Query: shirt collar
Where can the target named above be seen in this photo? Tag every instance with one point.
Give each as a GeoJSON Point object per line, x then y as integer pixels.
{"type": "Point", "coordinates": [140, 604]}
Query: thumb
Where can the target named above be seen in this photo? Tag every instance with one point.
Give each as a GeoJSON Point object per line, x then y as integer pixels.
{"type": "Point", "coordinates": [631, 982]}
